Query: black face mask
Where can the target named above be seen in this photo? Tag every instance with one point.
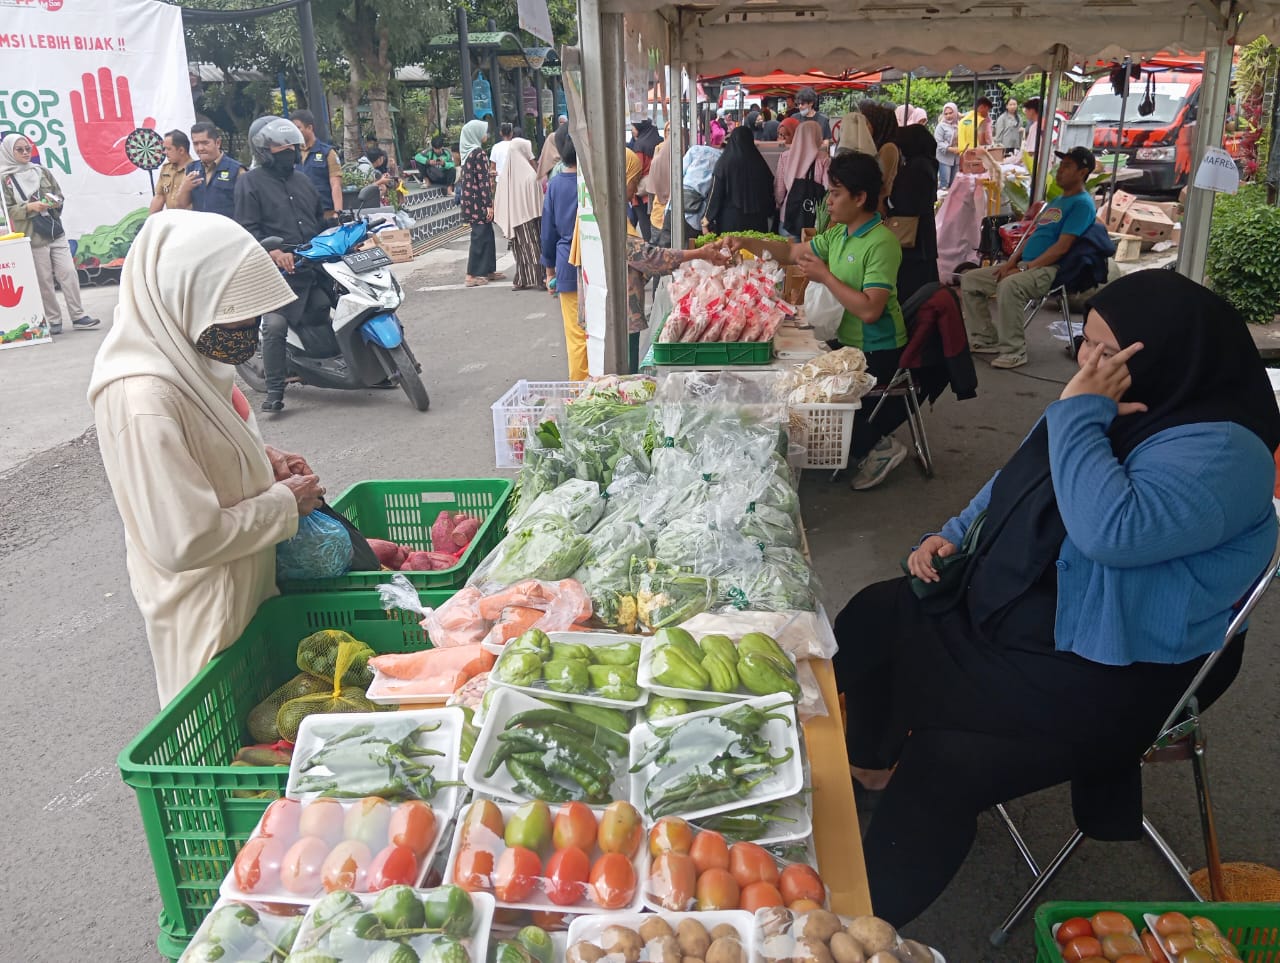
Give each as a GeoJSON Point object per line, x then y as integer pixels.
{"type": "Point", "coordinates": [283, 162]}
{"type": "Point", "coordinates": [228, 345]}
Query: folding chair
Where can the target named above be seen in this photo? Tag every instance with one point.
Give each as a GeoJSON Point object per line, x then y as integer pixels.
{"type": "Point", "coordinates": [1060, 292]}
{"type": "Point", "coordinates": [1181, 737]}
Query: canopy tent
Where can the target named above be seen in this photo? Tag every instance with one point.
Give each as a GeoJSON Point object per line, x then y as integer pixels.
{"type": "Point", "coordinates": [780, 84]}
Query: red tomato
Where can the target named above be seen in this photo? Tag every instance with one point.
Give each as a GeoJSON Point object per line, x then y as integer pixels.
{"type": "Point", "coordinates": [473, 869]}
{"type": "Point", "coordinates": [413, 825]}
{"type": "Point", "coordinates": [575, 825]}
{"type": "Point", "coordinates": [673, 881]}
{"type": "Point", "coordinates": [551, 922]}
{"type": "Point", "coordinates": [346, 866]}
{"type": "Point", "coordinates": [1070, 929]}
{"type": "Point", "coordinates": [750, 863]}
{"type": "Point", "coordinates": [282, 819]}
{"type": "Point", "coordinates": [394, 866]}
{"type": "Point", "coordinates": [1153, 948]}
{"type": "Point", "coordinates": [613, 881]}
{"type": "Point", "coordinates": [801, 882]}
{"type": "Point", "coordinates": [1109, 921]}
{"type": "Point", "coordinates": [1081, 948]}
{"type": "Point", "coordinates": [516, 874]}
{"type": "Point", "coordinates": [710, 851]}
{"type": "Point", "coordinates": [621, 829]}
{"type": "Point", "coordinates": [566, 876]}
{"type": "Point", "coordinates": [300, 871]}
{"type": "Point", "coordinates": [483, 821]}
{"type": "Point", "coordinates": [759, 895]}
{"type": "Point", "coordinates": [322, 817]}
{"type": "Point", "coordinates": [258, 864]}
{"type": "Point", "coordinates": [670, 834]}
{"type": "Point", "coordinates": [717, 890]}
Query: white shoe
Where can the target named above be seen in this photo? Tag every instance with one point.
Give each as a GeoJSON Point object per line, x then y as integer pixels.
{"type": "Point", "coordinates": [887, 455]}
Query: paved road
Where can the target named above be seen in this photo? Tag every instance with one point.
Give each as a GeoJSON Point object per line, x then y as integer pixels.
{"type": "Point", "coordinates": [78, 682]}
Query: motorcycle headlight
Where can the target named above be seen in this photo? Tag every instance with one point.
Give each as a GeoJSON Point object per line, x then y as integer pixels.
{"type": "Point", "coordinates": [1155, 153]}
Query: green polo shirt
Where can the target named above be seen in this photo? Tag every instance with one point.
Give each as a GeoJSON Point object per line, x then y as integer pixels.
{"type": "Point", "coordinates": [866, 258]}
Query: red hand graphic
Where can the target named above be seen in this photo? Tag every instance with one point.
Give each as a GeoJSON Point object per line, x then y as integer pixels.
{"type": "Point", "coordinates": [104, 118]}
{"type": "Point", "coordinates": [9, 298]}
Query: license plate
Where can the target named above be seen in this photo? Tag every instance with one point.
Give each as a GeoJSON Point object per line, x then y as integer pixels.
{"type": "Point", "coordinates": [362, 262]}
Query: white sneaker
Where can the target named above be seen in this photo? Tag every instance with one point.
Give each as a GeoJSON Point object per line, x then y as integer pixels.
{"type": "Point", "coordinates": [887, 455]}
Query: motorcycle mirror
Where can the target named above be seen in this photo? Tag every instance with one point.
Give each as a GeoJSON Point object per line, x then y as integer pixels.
{"type": "Point", "coordinates": [272, 243]}
{"type": "Point", "coordinates": [368, 193]}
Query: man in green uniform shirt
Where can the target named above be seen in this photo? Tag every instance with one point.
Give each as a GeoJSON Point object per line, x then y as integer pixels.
{"type": "Point", "coordinates": [857, 259]}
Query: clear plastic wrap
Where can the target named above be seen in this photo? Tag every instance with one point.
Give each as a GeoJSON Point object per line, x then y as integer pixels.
{"type": "Point", "coordinates": [834, 377]}
{"type": "Point", "coordinates": [597, 434]}
{"type": "Point", "coordinates": [546, 547]}
{"type": "Point", "coordinates": [577, 502]}
{"type": "Point", "coordinates": [665, 595]}
{"type": "Point", "coordinates": [783, 935]}
{"type": "Point", "coordinates": [607, 568]}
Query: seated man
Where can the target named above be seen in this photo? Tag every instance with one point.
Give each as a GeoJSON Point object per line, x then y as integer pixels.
{"type": "Point", "coordinates": [1030, 273]}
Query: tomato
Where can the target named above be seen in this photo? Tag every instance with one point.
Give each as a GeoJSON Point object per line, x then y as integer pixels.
{"type": "Point", "coordinates": [413, 825]}
{"type": "Point", "coordinates": [473, 869]}
{"type": "Point", "coordinates": [1153, 948]}
{"type": "Point", "coordinates": [717, 890]}
{"type": "Point", "coordinates": [1172, 922]}
{"type": "Point", "coordinates": [759, 895]}
{"type": "Point", "coordinates": [1081, 948]}
{"type": "Point", "coordinates": [620, 829]}
{"type": "Point", "coordinates": [257, 864]}
{"type": "Point", "coordinates": [566, 876]}
{"type": "Point", "coordinates": [673, 881]}
{"type": "Point", "coordinates": [551, 922]}
{"type": "Point", "coordinates": [368, 820]}
{"type": "Point", "coordinates": [575, 825]}
{"type": "Point", "coordinates": [1197, 956]}
{"type": "Point", "coordinates": [710, 851]}
{"type": "Point", "coordinates": [346, 866]}
{"type": "Point", "coordinates": [1133, 958]}
{"type": "Point", "coordinates": [324, 818]}
{"type": "Point", "coordinates": [750, 863]}
{"type": "Point", "coordinates": [516, 874]}
{"type": "Point", "coordinates": [804, 906]}
{"type": "Point", "coordinates": [529, 827]}
{"type": "Point", "coordinates": [799, 882]}
{"type": "Point", "coordinates": [300, 870]}
{"type": "Point", "coordinates": [670, 834]}
{"type": "Point", "coordinates": [482, 825]}
{"type": "Point", "coordinates": [394, 866]}
{"type": "Point", "coordinates": [1109, 921]}
{"type": "Point", "coordinates": [282, 819]}
{"type": "Point", "coordinates": [1070, 929]}
{"type": "Point", "coordinates": [613, 881]}
{"type": "Point", "coordinates": [1202, 924]}
{"type": "Point", "coordinates": [1116, 945]}
{"type": "Point", "coordinates": [1179, 943]}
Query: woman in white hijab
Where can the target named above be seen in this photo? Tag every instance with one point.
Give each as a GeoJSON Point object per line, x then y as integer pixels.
{"type": "Point", "coordinates": [517, 209]}
{"type": "Point", "coordinates": [30, 191]}
{"type": "Point", "coordinates": [203, 501]}
{"type": "Point", "coordinates": [475, 197]}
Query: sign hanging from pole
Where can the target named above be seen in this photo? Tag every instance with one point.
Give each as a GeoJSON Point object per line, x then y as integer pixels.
{"type": "Point", "coordinates": [1218, 172]}
{"type": "Point", "coordinates": [535, 19]}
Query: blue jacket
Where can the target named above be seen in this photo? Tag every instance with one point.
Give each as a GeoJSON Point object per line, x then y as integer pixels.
{"type": "Point", "coordinates": [315, 164]}
{"type": "Point", "coordinates": [559, 214]}
{"type": "Point", "coordinates": [217, 195]}
{"type": "Point", "coordinates": [1084, 266]}
{"type": "Point", "coordinates": [1158, 549]}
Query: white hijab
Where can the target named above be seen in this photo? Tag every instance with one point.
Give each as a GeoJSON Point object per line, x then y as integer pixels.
{"type": "Point", "coordinates": [518, 198]}
{"type": "Point", "coordinates": [185, 272]}
{"type": "Point", "coordinates": [472, 139]}
{"type": "Point", "coordinates": [23, 171]}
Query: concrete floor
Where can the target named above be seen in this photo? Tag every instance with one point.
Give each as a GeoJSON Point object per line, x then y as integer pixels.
{"type": "Point", "coordinates": [78, 684]}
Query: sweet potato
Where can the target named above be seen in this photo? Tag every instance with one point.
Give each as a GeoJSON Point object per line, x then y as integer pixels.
{"type": "Point", "coordinates": [389, 553]}
{"type": "Point", "coordinates": [465, 530]}
{"type": "Point", "coordinates": [442, 531]}
{"type": "Point", "coordinates": [428, 562]}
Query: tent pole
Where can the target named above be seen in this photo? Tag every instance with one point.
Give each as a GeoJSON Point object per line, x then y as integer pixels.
{"type": "Point", "coordinates": [1115, 165]}
{"type": "Point", "coordinates": [1035, 160]}
{"type": "Point", "coordinates": [1193, 247]}
{"type": "Point", "coordinates": [906, 110]}
{"type": "Point", "coordinates": [495, 82]}
{"type": "Point", "coordinates": [675, 152]}
{"type": "Point", "coordinates": [464, 66]}
{"type": "Point", "coordinates": [311, 68]}
{"type": "Point", "coordinates": [1044, 149]}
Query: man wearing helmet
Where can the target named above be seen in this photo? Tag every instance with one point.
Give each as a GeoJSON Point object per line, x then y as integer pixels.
{"type": "Point", "coordinates": [275, 199]}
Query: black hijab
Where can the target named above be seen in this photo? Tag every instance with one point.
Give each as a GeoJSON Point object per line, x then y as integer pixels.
{"type": "Point", "coordinates": [1198, 364]}
{"type": "Point", "coordinates": [647, 137]}
{"type": "Point", "coordinates": [744, 174]}
{"type": "Point", "coordinates": [882, 121]}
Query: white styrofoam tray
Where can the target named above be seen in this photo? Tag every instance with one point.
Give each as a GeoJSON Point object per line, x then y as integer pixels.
{"type": "Point", "coordinates": [272, 920]}
{"type": "Point", "coordinates": [507, 703]}
{"type": "Point", "coordinates": [591, 639]}
{"type": "Point", "coordinates": [784, 780]}
{"type": "Point", "coordinates": [650, 645]}
{"type": "Point", "coordinates": [796, 808]}
{"type": "Point", "coordinates": [591, 928]}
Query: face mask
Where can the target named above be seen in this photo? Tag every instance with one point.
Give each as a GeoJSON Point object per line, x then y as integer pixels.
{"type": "Point", "coordinates": [284, 161]}
{"type": "Point", "coordinates": [228, 345]}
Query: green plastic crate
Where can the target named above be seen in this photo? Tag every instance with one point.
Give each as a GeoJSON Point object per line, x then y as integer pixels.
{"type": "Point", "coordinates": [1253, 928]}
{"type": "Point", "coordinates": [712, 353]}
{"type": "Point", "coordinates": [180, 764]}
{"type": "Point", "coordinates": [403, 512]}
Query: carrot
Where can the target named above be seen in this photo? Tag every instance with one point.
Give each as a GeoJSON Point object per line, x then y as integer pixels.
{"type": "Point", "coordinates": [515, 621]}
{"type": "Point", "coordinates": [481, 663]}
{"type": "Point", "coordinates": [572, 591]}
{"type": "Point", "coordinates": [527, 594]}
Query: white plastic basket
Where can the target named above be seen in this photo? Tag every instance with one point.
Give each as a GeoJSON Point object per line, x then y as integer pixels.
{"type": "Point", "coordinates": [825, 431]}
{"type": "Point", "coordinates": [519, 411]}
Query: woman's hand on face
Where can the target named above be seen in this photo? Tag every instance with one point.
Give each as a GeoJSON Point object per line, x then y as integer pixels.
{"type": "Point", "coordinates": [920, 562]}
{"type": "Point", "coordinates": [306, 490]}
{"type": "Point", "coordinates": [1106, 376]}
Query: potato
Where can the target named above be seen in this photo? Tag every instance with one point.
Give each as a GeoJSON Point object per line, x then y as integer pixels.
{"type": "Point", "coordinates": [725, 930]}
{"type": "Point", "coordinates": [655, 928]}
{"type": "Point", "coordinates": [912, 951]}
{"type": "Point", "coordinates": [726, 949]}
{"type": "Point", "coordinates": [777, 949]}
{"type": "Point", "coordinates": [623, 942]}
{"type": "Point", "coordinates": [584, 952]}
{"type": "Point", "coordinates": [874, 934]}
{"type": "Point", "coordinates": [774, 920]}
{"type": "Point", "coordinates": [846, 949]}
{"type": "Point", "coordinates": [810, 950]}
{"type": "Point", "coordinates": [884, 956]}
{"type": "Point", "coordinates": [663, 949]}
{"type": "Point", "coordinates": [693, 938]}
{"type": "Point", "coordinates": [692, 959]}
{"type": "Point", "coordinates": [818, 925]}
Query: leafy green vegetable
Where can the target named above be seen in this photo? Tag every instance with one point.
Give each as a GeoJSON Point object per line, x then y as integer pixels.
{"type": "Point", "coordinates": [546, 548]}
{"type": "Point", "coordinates": [757, 235]}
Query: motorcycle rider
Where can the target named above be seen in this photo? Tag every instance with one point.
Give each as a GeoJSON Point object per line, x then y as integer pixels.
{"type": "Point", "coordinates": [276, 199]}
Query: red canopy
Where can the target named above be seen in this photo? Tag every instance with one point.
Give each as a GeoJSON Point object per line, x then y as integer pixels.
{"type": "Point", "coordinates": [779, 84]}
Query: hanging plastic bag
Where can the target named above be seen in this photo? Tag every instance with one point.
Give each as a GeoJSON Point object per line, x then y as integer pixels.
{"type": "Point", "coordinates": [320, 549]}
{"type": "Point", "coordinates": [822, 311]}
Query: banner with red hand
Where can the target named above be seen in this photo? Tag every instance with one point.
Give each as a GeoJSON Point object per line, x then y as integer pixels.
{"type": "Point", "coordinates": [103, 114]}
{"type": "Point", "coordinates": [21, 311]}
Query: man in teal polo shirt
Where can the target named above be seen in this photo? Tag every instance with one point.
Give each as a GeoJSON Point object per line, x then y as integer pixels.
{"type": "Point", "coordinates": [857, 259]}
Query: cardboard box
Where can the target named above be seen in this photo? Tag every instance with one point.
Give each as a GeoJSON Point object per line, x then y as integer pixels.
{"type": "Point", "coordinates": [1147, 222]}
{"type": "Point", "coordinates": [397, 243]}
{"type": "Point", "coordinates": [1120, 205]}
{"type": "Point", "coordinates": [1172, 209]}
{"type": "Point", "coordinates": [1128, 247]}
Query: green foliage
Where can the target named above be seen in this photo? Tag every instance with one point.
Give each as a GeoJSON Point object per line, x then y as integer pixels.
{"type": "Point", "coordinates": [1028, 87]}
{"type": "Point", "coordinates": [927, 93]}
{"type": "Point", "coordinates": [1243, 264]}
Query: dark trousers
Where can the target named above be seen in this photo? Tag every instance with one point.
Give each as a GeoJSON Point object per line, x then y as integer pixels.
{"type": "Point", "coordinates": [309, 314]}
{"type": "Point", "coordinates": [866, 431]}
{"type": "Point", "coordinates": [971, 721]}
{"type": "Point", "coordinates": [482, 259]}
{"type": "Point", "coordinates": [440, 176]}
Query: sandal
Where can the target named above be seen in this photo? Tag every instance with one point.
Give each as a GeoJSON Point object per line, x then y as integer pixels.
{"type": "Point", "coordinates": [476, 282]}
{"type": "Point", "coordinates": [495, 276]}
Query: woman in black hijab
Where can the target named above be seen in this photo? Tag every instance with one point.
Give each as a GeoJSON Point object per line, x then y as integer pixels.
{"type": "Point", "coordinates": [1107, 556]}
{"type": "Point", "coordinates": [741, 187]}
{"type": "Point", "coordinates": [913, 196]}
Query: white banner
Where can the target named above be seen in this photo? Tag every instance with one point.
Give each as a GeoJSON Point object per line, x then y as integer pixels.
{"type": "Point", "coordinates": [593, 286]}
{"type": "Point", "coordinates": [21, 311]}
{"type": "Point", "coordinates": [76, 77]}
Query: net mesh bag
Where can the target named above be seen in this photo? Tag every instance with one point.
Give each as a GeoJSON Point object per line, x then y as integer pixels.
{"type": "Point", "coordinates": [1243, 883]}
{"type": "Point", "coordinates": [341, 698]}
{"type": "Point", "coordinates": [262, 717]}
{"type": "Point", "coordinates": [318, 655]}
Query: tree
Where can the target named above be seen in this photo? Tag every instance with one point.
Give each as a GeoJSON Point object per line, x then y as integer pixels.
{"type": "Point", "coordinates": [927, 92]}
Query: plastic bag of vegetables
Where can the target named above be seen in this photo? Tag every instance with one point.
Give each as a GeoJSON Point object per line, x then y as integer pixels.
{"type": "Point", "coordinates": [546, 547]}
{"type": "Point", "coordinates": [782, 581]}
{"type": "Point", "coordinates": [665, 595]}
{"type": "Point", "coordinates": [598, 435]}
{"type": "Point", "coordinates": [576, 502]}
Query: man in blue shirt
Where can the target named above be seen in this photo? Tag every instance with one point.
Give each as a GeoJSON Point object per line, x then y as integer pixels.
{"type": "Point", "coordinates": [210, 185]}
{"type": "Point", "coordinates": [1029, 274]}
